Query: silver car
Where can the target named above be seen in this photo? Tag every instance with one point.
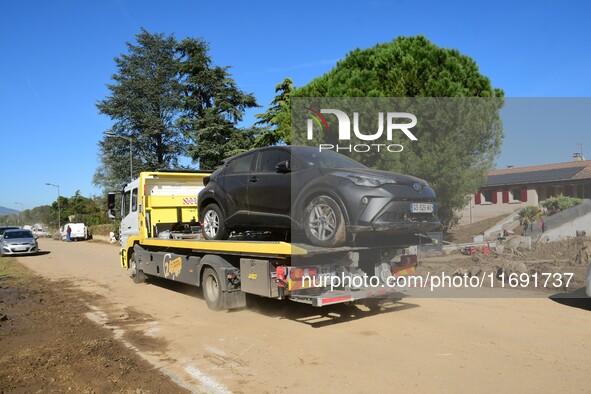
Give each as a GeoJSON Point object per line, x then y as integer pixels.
{"type": "Point", "coordinates": [18, 242]}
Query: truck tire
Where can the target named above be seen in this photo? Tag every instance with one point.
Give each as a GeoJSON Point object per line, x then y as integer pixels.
{"type": "Point", "coordinates": [214, 226]}
{"type": "Point", "coordinates": [324, 223]}
{"type": "Point", "coordinates": [212, 290]}
{"type": "Point", "coordinates": [137, 275]}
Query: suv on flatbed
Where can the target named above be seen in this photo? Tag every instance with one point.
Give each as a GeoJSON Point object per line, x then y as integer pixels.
{"type": "Point", "coordinates": [327, 195]}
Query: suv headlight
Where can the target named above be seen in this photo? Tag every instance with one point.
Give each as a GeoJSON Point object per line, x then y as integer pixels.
{"type": "Point", "coordinates": [365, 180]}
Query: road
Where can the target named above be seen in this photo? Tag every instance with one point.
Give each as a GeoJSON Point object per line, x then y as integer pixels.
{"type": "Point", "coordinates": [418, 345]}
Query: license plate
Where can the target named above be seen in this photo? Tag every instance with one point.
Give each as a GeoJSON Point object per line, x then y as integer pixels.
{"type": "Point", "coordinates": [20, 249]}
{"type": "Point", "coordinates": [418, 207]}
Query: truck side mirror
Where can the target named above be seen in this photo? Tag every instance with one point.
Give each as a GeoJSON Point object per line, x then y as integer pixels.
{"type": "Point", "coordinates": [283, 166]}
{"type": "Point", "coordinates": [111, 205]}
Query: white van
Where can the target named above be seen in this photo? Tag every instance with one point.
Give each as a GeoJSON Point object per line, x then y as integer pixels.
{"type": "Point", "coordinates": [79, 232]}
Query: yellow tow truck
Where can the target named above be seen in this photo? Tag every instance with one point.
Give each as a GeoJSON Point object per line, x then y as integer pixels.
{"type": "Point", "coordinates": [161, 237]}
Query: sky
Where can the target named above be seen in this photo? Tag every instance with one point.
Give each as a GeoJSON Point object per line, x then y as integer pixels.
{"type": "Point", "coordinates": [57, 57]}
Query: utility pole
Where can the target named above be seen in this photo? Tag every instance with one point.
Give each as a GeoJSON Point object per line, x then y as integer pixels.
{"type": "Point", "coordinates": [59, 211]}
{"type": "Point", "coordinates": [20, 213]}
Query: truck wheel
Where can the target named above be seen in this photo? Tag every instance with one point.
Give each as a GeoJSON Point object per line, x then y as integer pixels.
{"type": "Point", "coordinates": [137, 275]}
{"type": "Point", "coordinates": [212, 289]}
{"type": "Point", "coordinates": [214, 226]}
{"type": "Point", "coordinates": [324, 223]}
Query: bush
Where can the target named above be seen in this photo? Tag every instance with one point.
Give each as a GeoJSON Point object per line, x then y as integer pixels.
{"type": "Point", "coordinates": [104, 229]}
{"type": "Point", "coordinates": [560, 203]}
{"type": "Point", "coordinates": [529, 214]}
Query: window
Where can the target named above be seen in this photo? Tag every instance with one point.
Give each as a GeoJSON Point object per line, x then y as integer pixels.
{"type": "Point", "coordinates": [486, 197]}
{"type": "Point", "coordinates": [125, 206]}
{"type": "Point", "coordinates": [268, 159]}
{"type": "Point", "coordinates": [134, 200]}
{"type": "Point", "coordinates": [241, 164]}
{"type": "Point", "coordinates": [515, 194]}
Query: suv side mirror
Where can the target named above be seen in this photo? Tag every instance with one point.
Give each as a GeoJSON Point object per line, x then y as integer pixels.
{"type": "Point", "coordinates": [283, 166]}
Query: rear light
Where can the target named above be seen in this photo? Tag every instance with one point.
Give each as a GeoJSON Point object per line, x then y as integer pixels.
{"type": "Point", "coordinates": [296, 273]}
{"type": "Point", "coordinates": [299, 273]}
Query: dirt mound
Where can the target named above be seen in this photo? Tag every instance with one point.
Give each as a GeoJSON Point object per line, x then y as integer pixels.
{"type": "Point", "coordinates": [49, 346]}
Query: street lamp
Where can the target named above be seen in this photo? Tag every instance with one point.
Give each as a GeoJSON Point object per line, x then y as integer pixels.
{"type": "Point", "coordinates": [111, 133]}
{"type": "Point", "coordinates": [59, 211]}
{"type": "Point", "coordinates": [21, 212]}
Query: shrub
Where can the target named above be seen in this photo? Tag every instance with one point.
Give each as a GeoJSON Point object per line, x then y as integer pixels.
{"type": "Point", "coordinates": [529, 214]}
{"type": "Point", "coordinates": [560, 203]}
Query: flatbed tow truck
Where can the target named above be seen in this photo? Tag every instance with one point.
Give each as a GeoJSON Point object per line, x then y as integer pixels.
{"type": "Point", "coordinates": [160, 237]}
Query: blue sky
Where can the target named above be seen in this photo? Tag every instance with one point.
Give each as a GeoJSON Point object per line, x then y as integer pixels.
{"type": "Point", "coordinates": [57, 57]}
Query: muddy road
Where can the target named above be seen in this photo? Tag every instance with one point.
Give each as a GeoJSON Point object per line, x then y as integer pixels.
{"type": "Point", "coordinates": [419, 345]}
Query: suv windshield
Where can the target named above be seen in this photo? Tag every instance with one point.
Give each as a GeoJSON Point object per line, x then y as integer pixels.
{"type": "Point", "coordinates": [13, 234]}
{"type": "Point", "coordinates": [326, 159]}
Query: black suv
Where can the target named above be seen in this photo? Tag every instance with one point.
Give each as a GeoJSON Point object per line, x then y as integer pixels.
{"type": "Point", "coordinates": [327, 195]}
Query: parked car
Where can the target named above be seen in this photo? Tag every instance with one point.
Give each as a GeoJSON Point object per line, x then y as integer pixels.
{"type": "Point", "coordinates": [40, 232]}
{"type": "Point", "coordinates": [79, 231]}
{"type": "Point", "coordinates": [4, 228]}
{"type": "Point", "coordinates": [18, 241]}
{"type": "Point", "coordinates": [333, 197]}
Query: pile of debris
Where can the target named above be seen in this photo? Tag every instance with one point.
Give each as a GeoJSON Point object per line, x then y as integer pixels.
{"type": "Point", "coordinates": [517, 255]}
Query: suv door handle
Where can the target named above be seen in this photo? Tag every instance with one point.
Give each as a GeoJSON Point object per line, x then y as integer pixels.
{"type": "Point", "coordinates": [253, 179]}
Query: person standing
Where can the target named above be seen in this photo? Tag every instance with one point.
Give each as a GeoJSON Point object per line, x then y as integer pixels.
{"type": "Point", "coordinates": [68, 233]}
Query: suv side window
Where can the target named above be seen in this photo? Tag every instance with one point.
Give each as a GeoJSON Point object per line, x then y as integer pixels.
{"type": "Point", "coordinates": [268, 159]}
{"type": "Point", "coordinates": [240, 165]}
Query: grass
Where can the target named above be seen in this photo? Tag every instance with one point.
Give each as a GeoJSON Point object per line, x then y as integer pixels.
{"type": "Point", "coordinates": [8, 269]}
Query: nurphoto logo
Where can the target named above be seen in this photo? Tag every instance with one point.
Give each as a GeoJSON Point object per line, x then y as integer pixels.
{"type": "Point", "coordinates": [391, 119]}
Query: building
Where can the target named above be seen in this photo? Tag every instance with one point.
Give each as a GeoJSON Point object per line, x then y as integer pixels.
{"type": "Point", "coordinates": [513, 188]}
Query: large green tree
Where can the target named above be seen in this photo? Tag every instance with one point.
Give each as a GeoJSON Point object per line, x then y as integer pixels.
{"type": "Point", "coordinates": [170, 100]}
{"type": "Point", "coordinates": [275, 123]}
{"type": "Point", "coordinates": [453, 160]}
{"type": "Point", "coordinates": [212, 106]}
{"type": "Point", "coordinates": [144, 104]}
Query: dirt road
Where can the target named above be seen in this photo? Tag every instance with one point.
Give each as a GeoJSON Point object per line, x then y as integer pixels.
{"type": "Point", "coordinates": [419, 345]}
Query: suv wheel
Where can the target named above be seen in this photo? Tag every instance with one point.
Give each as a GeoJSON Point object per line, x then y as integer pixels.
{"type": "Point", "coordinates": [213, 223]}
{"type": "Point", "coordinates": [324, 223]}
